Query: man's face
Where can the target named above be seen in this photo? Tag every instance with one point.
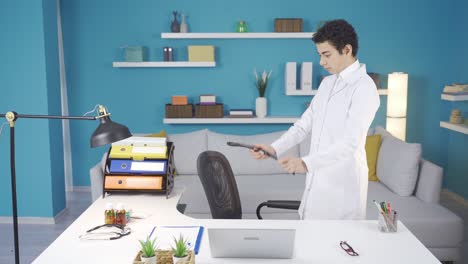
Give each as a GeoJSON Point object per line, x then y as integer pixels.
{"type": "Point", "coordinates": [330, 59]}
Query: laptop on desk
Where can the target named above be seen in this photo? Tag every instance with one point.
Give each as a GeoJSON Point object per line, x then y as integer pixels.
{"type": "Point", "coordinates": [251, 243]}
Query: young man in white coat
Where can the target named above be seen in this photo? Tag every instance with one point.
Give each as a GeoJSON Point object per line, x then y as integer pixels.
{"type": "Point", "coordinates": [337, 122]}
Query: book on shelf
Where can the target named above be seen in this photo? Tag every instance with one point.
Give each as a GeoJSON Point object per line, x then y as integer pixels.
{"type": "Point", "coordinates": [240, 116]}
{"type": "Point", "coordinates": [456, 88]}
{"type": "Point", "coordinates": [457, 93]}
{"type": "Point", "coordinates": [241, 112]}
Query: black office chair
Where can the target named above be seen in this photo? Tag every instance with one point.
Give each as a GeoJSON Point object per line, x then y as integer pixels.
{"type": "Point", "coordinates": [221, 190]}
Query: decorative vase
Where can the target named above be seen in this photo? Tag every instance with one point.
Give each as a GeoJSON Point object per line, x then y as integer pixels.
{"type": "Point", "coordinates": [261, 107]}
{"type": "Point", "coordinates": [151, 260]}
{"type": "Point", "coordinates": [183, 25]}
{"type": "Point", "coordinates": [175, 26]}
{"type": "Point", "coordinates": [176, 260]}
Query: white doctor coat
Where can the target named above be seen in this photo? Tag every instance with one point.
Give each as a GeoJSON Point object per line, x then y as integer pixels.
{"type": "Point", "coordinates": [338, 119]}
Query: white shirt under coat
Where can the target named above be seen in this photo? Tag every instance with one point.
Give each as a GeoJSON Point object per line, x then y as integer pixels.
{"type": "Point", "coordinates": [337, 122]}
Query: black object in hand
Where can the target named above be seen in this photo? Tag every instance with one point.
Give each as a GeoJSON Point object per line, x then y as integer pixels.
{"type": "Point", "coordinates": [235, 144]}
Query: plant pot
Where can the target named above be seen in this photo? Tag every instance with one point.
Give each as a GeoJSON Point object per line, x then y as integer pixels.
{"type": "Point", "coordinates": [261, 107]}
{"type": "Point", "coordinates": [151, 260]}
{"type": "Point", "coordinates": [176, 260]}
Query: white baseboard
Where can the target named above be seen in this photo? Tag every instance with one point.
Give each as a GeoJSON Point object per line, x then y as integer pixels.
{"type": "Point", "coordinates": [28, 220]}
{"type": "Point", "coordinates": [456, 197]}
{"type": "Point", "coordinates": [82, 188]}
{"type": "Point", "coordinates": [34, 220]}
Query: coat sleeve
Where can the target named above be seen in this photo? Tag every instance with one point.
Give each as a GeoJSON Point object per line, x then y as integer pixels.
{"type": "Point", "coordinates": [295, 133]}
{"type": "Point", "coordinates": [364, 105]}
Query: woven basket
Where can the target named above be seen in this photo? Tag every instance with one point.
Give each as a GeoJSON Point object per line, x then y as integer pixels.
{"type": "Point", "coordinates": [165, 257]}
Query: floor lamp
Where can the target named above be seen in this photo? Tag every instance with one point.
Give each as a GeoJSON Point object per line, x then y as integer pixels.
{"type": "Point", "coordinates": [107, 132]}
{"type": "Point", "coordinates": [397, 104]}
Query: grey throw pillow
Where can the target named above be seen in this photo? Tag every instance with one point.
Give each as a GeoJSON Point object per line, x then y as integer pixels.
{"type": "Point", "coordinates": [398, 163]}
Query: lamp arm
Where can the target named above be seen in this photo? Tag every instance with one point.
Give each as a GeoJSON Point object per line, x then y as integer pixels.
{"type": "Point", "coordinates": [51, 116]}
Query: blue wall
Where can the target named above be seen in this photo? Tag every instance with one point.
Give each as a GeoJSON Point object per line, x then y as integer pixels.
{"type": "Point", "coordinates": [391, 39]}
{"type": "Point", "coordinates": [29, 86]}
{"type": "Point", "coordinates": [457, 153]}
{"type": "Point", "coordinates": [423, 39]}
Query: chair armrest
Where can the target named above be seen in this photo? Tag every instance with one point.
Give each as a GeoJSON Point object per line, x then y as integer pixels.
{"type": "Point", "coordinates": [429, 182]}
{"type": "Point", "coordinates": [282, 204]}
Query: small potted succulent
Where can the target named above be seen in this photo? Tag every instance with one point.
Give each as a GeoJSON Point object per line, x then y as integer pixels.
{"type": "Point", "coordinates": [148, 251]}
{"type": "Point", "coordinates": [180, 250]}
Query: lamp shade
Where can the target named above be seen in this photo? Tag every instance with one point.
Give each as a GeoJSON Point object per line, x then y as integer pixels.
{"type": "Point", "coordinates": [397, 94]}
{"type": "Point", "coordinates": [108, 132]}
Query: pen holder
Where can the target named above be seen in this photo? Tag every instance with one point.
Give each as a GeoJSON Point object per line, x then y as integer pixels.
{"type": "Point", "coordinates": [388, 224]}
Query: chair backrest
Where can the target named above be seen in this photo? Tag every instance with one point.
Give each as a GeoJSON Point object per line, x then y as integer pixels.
{"type": "Point", "coordinates": [220, 185]}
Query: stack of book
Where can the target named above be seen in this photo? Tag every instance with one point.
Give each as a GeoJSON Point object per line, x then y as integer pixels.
{"type": "Point", "coordinates": [241, 113]}
{"type": "Point", "coordinates": [456, 89]}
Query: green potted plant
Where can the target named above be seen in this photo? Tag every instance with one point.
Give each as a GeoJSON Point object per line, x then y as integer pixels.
{"type": "Point", "coordinates": [148, 251]}
{"type": "Point", "coordinates": [261, 84]}
{"type": "Point", "coordinates": [180, 250]}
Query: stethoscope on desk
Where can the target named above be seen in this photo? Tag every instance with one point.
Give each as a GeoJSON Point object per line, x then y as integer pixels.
{"type": "Point", "coordinates": [106, 232]}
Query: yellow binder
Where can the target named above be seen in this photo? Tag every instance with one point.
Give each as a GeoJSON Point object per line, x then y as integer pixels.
{"type": "Point", "coordinates": [138, 153]}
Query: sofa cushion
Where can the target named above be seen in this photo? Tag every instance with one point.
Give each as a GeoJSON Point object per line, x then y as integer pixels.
{"type": "Point", "coordinates": [240, 159]}
{"type": "Point", "coordinates": [400, 179]}
{"type": "Point", "coordinates": [187, 148]}
{"type": "Point", "coordinates": [372, 151]}
{"type": "Point", "coordinates": [434, 225]}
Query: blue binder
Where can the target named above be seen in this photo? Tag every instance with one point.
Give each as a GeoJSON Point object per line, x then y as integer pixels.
{"type": "Point", "coordinates": [153, 167]}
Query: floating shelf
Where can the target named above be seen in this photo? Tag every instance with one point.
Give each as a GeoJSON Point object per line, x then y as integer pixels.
{"type": "Point", "coordinates": [149, 64]}
{"type": "Point", "coordinates": [266, 35]}
{"type": "Point", "coordinates": [455, 127]}
{"type": "Point", "coordinates": [450, 97]}
{"type": "Point", "coordinates": [314, 92]}
{"type": "Point", "coordinates": [231, 120]}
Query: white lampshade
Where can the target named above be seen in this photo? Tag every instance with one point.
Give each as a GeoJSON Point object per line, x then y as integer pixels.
{"type": "Point", "coordinates": [397, 104]}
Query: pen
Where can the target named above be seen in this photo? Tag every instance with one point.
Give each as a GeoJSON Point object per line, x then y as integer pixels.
{"type": "Point", "coordinates": [389, 209]}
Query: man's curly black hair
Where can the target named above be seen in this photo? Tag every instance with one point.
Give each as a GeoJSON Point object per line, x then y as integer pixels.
{"type": "Point", "coordinates": [338, 33]}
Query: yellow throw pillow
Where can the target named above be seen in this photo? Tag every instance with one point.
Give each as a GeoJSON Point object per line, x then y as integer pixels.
{"type": "Point", "coordinates": [161, 133]}
{"type": "Point", "coordinates": [372, 152]}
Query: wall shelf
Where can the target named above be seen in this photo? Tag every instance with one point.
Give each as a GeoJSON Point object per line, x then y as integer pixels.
{"type": "Point", "coordinates": [150, 64]}
{"type": "Point", "coordinates": [450, 97]}
{"type": "Point", "coordinates": [230, 120]}
{"type": "Point", "coordinates": [258, 35]}
{"type": "Point", "coordinates": [314, 92]}
{"type": "Point", "coordinates": [455, 127]}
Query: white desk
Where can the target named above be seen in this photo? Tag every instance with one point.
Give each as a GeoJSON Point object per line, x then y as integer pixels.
{"type": "Point", "coordinates": [316, 241]}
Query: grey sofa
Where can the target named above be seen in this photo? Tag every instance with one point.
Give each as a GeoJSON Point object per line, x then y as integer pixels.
{"type": "Point", "coordinates": [440, 230]}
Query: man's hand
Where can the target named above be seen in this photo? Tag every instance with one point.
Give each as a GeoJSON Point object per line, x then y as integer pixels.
{"type": "Point", "coordinates": [259, 151]}
{"type": "Point", "coordinates": [293, 165]}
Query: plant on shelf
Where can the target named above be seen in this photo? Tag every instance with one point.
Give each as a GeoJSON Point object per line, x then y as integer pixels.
{"type": "Point", "coordinates": [180, 249]}
{"type": "Point", "coordinates": [148, 251]}
{"type": "Point", "coordinates": [261, 84]}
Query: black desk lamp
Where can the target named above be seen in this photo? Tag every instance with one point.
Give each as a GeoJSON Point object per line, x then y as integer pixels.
{"type": "Point", "coordinates": [107, 132]}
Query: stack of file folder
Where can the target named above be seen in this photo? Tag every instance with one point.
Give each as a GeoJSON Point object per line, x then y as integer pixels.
{"type": "Point", "coordinates": [142, 164]}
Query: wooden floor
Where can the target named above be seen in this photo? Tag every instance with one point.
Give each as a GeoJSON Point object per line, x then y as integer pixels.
{"type": "Point", "coordinates": [36, 238]}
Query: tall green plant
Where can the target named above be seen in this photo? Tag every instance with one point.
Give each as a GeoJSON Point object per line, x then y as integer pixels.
{"type": "Point", "coordinates": [148, 247]}
{"type": "Point", "coordinates": [181, 247]}
{"type": "Point", "coordinates": [262, 83]}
